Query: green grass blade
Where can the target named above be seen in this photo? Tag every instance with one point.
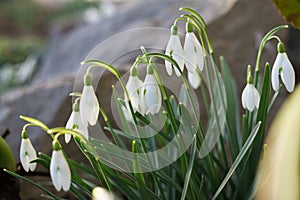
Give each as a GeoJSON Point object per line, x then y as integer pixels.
{"type": "Point", "coordinates": [238, 159]}
{"type": "Point", "coordinates": [189, 170]}
{"type": "Point", "coordinates": [32, 183]}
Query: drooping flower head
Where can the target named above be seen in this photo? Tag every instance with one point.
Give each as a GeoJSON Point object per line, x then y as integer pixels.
{"type": "Point", "coordinates": [175, 50]}
{"type": "Point", "coordinates": [194, 79]}
{"type": "Point", "coordinates": [151, 95]}
{"type": "Point", "coordinates": [59, 169]}
{"type": "Point", "coordinates": [134, 87]}
{"type": "Point", "coordinates": [250, 95]}
{"type": "Point", "coordinates": [75, 123]}
{"type": "Point", "coordinates": [27, 153]}
{"type": "Point", "coordinates": [88, 106]}
{"type": "Point", "coordinates": [193, 52]}
{"type": "Point", "coordinates": [283, 67]}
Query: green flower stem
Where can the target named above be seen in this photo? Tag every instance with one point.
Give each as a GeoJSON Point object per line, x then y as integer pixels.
{"type": "Point", "coordinates": [115, 72]}
{"type": "Point", "coordinates": [263, 42]}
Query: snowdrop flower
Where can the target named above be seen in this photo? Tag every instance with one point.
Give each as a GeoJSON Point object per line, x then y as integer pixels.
{"type": "Point", "coordinates": [88, 106]}
{"type": "Point", "coordinates": [194, 57]}
{"type": "Point", "coordinates": [151, 96]}
{"type": "Point", "coordinates": [134, 87]}
{"type": "Point", "coordinates": [100, 193]}
{"type": "Point", "coordinates": [27, 153]}
{"type": "Point", "coordinates": [283, 67]}
{"type": "Point", "coordinates": [194, 79]}
{"type": "Point", "coordinates": [75, 123]}
{"type": "Point", "coordinates": [59, 169]}
{"type": "Point", "coordinates": [174, 49]}
{"type": "Point", "coordinates": [250, 95]}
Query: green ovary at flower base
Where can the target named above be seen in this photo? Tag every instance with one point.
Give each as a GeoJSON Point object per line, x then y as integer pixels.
{"type": "Point", "coordinates": [283, 67]}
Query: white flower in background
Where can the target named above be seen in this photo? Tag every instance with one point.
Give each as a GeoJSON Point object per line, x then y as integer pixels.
{"type": "Point", "coordinates": [59, 169]}
{"type": "Point", "coordinates": [250, 95]}
{"type": "Point", "coordinates": [194, 79]}
{"type": "Point", "coordinates": [88, 106]}
{"type": "Point", "coordinates": [134, 87]}
{"type": "Point", "coordinates": [75, 123]}
{"type": "Point", "coordinates": [193, 52]}
{"type": "Point", "coordinates": [27, 153]}
{"type": "Point", "coordinates": [283, 67]}
{"type": "Point", "coordinates": [151, 96]}
{"type": "Point", "coordinates": [100, 193]}
{"type": "Point", "coordinates": [174, 49]}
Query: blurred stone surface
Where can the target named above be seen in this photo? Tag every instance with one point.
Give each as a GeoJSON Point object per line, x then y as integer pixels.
{"type": "Point", "coordinates": [233, 35]}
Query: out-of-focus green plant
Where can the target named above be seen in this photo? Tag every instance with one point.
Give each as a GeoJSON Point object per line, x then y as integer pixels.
{"type": "Point", "coordinates": [7, 159]}
{"type": "Point", "coordinates": [278, 176]}
{"type": "Point", "coordinates": [290, 10]}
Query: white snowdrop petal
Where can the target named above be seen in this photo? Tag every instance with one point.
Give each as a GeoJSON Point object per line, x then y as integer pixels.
{"type": "Point", "coordinates": [152, 95]}
{"type": "Point", "coordinates": [27, 154]}
{"type": "Point", "coordinates": [194, 79]}
{"type": "Point", "coordinates": [189, 53]}
{"type": "Point", "coordinates": [80, 126]}
{"type": "Point", "coordinates": [244, 96]}
{"type": "Point", "coordinates": [199, 58]}
{"type": "Point", "coordinates": [84, 107]}
{"type": "Point", "coordinates": [178, 53]}
{"type": "Point", "coordinates": [55, 176]}
{"type": "Point", "coordinates": [70, 121]}
{"type": "Point", "coordinates": [168, 68]}
{"type": "Point", "coordinates": [134, 86]}
{"type": "Point", "coordinates": [67, 138]}
{"type": "Point", "coordinates": [275, 71]}
{"type": "Point", "coordinates": [251, 98]}
{"type": "Point", "coordinates": [60, 171]}
{"type": "Point", "coordinates": [288, 74]}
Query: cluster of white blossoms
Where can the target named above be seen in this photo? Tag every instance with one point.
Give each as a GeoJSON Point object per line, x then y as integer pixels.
{"type": "Point", "coordinates": [282, 67]}
{"type": "Point", "coordinates": [145, 96]}
{"type": "Point", "coordinates": [191, 55]}
{"type": "Point", "coordinates": [84, 113]}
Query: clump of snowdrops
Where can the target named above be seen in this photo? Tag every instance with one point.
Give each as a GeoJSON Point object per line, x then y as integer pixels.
{"type": "Point", "coordinates": [213, 159]}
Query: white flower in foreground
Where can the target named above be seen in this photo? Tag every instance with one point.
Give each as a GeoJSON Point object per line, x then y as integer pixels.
{"type": "Point", "coordinates": [134, 87]}
{"type": "Point", "coordinates": [75, 123]}
{"type": "Point", "coordinates": [250, 97]}
{"type": "Point", "coordinates": [194, 57]}
{"type": "Point", "coordinates": [283, 67]}
{"type": "Point", "coordinates": [88, 106]}
{"type": "Point", "coordinates": [174, 49]}
{"type": "Point", "coordinates": [59, 169]}
{"type": "Point", "coordinates": [151, 96]}
{"type": "Point", "coordinates": [100, 193]}
{"type": "Point", "coordinates": [194, 79]}
{"type": "Point", "coordinates": [27, 153]}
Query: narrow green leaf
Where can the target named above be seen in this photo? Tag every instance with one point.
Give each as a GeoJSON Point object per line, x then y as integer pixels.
{"type": "Point", "coordinates": [189, 170]}
{"type": "Point", "coordinates": [239, 158]}
{"type": "Point", "coordinates": [32, 183]}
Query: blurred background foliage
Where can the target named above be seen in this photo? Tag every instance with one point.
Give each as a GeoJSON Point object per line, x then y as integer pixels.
{"type": "Point", "coordinates": [290, 10]}
{"type": "Point", "coordinates": [24, 31]}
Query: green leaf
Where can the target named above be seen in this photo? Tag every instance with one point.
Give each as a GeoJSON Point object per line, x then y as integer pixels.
{"type": "Point", "coordinates": [238, 159]}
{"type": "Point", "coordinates": [7, 158]}
{"type": "Point", "coordinates": [189, 170]}
{"type": "Point", "coordinates": [32, 183]}
{"type": "Point", "coordinates": [35, 122]}
{"type": "Point", "coordinates": [290, 10]}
